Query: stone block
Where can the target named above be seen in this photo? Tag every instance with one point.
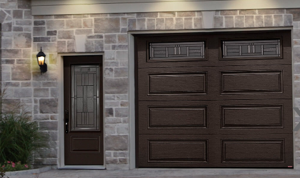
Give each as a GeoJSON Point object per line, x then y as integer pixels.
{"type": "Point", "coordinates": [21, 72]}
{"type": "Point", "coordinates": [109, 112]}
{"type": "Point", "coordinates": [54, 92]}
{"type": "Point", "coordinates": [178, 23]}
{"type": "Point", "coordinates": [271, 11]}
{"type": "Point", "coordinates": [296, 54]}
{"type": "Point", "coordinates": [124, 21]}
{"type": "Point", "coordinates": [147, 14]}
{"type": "Point", "coordinates": [53, 117]}
{"type": "Point", "coordinates": [41, 92]}
{"type": "Point", "coordinates": [49, 84]}
{"type": "Point", "coordinates": [297, 68]}
{"type": "Point", "coordinates": [17, 29]}
{"type": "Point", "coordinates": [249, 21]}
{"type": "Point", "coordinates": [239, 21]}
{"type": "Point", "coordinates": [66, 34]}
{"type": "Point", "coordinates": [63, 16]}
{"type": "Point", "coordinates": [48, 125]}
{"type": "Point", "coordinates": [48, 76]}
{"type": "Point", "coordinates": [123, 160]}
{"type": "Point", "coordinates": [166, 14]}
{"type": "Point", "coordinates": [122, 129]}
{"type": "Point", "coordinates": [18, 14]}
{"type": "Point", "coordinates": [43, 17]}
{"type": "Point", "coordinates": [39, 23]}
{"type": "Point", "coordinates": [95, 37]}
{"type": "Point", "coordinates": [122, 38]}
{"type": "Point", "coordinates": [7, 27]}
{"type": "Point", "coordinates": [124, 104]}
{"type": "Point", "coordinates": [119, 47]}
{"type": "Point", "coordinates": [259, 21]}
{"type": "Point", "coordinates": [22, 92]}
{"type": "Point", "coordinates": [116, 143]}
{"type": "Point", "coordinates": [111, 160]}
{"type": "Point", "coordinates": [295, 13]}
{"type": "Point", "coordinates": [106, 25]}
{"type": "Point", "coordinates": [55, 24]}
{"type": "Point", "coordinates": [5, 76]}
{"type": "Point", "coordinates": [188, 23]}
{"type": "Point", "coordinates": [169, 23]}
{"type": "Point", "coordinates": [22, 40]}
{"type": "Point", "coordinates": [83, 31]}
{"type": "Point", "coordinates": [74, 23]}
{"type": "Point", "coordinates": [122, 55]}
{"type": "Point", "coordinates": [87, 23]}
{"type": "Point", "coordinates": [24, 4]}
{"type": "Point", "coordinates": [2, 16]}
{"type": "Point", "coordinates": [8, 61]}
{"type": "Point", "coordinates": [25, 84]}
{"type": "Point", "coordinates": [41, 117]}
{"type": "Point", "coordinates": [112, 64]}
{"type": "Point", "coordinates": [278, 20]}
{"type": "Point", "coordinates": [39, 31]}
{"type": "Point", "coordinates": [109, 55]}
{"type": "Point", "coordinates": [110, 129]}
{"type": "Point", "coordinates": [11, 53]}
{"type": "Point", "coordinates": [108, 72]}
{"type": "Point", "coordinates": [98, 45]}
{"type": "Point", "coordinates": [121, 112]}
{"type": "Point", "coordinates": [41, 39]}
{"type": "Point", "coordinates": [6, 43]}
{"type": "Point", "coordinates": [51, 33]}
{"type": "Point", "coordinates": [23, 22]}
{"type": "Point", "coordinates": [116, 85]}
{"type": "Point", "coordinates": [150, 24]}
{"type": "Point", "coordinates": [297, 89]}
{"type": "Point", "coordinates": [27, 14]}
{"type": "Point", "coordinates": [48, 105]}
{"type": "Point", "coordinates": [11, 84]}
{"type": "Point", "coordinates": [160, 23]}
{"type": "Point", "coordinates": [268, 20]}
{"type": "Point", "coordinates": [70, 46]}
{"type": "Point", "coordinates": [61, 46]}
{"type": "Point", "coordinates": [186, 14]}
{"type": "Point", "coordinates": [22, 61]}
{"type": "Point", "coordinates": [198, 22]}
{"type": "Point", "coordinates": [247, 12]}
{"type": "Point", "coordinates": [288, 20]}
{"type": "Point", "coordinates": [121, 72]}
{"type": "Point", "coordinates": [140, 24]}
{"type": "Point", "coordinates": [229, 12]}
{"type": "Point", "coordinates": [229, 22]}
{"type": "Point", "coordinates": [218, 22]}
{"type": "Point", "coordinates": [131, 24]}
{"type": "Point", "coordinates": [110, 38]}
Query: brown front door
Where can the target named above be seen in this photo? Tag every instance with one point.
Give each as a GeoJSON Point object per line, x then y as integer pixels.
{"type": "Point", "coordinates": [214, 100]}
{"type": "Point", "coordinates": [83, 110]}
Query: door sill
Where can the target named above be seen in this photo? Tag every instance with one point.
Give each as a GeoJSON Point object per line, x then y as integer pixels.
{"type": "Point", "coordinates": [86, 167]}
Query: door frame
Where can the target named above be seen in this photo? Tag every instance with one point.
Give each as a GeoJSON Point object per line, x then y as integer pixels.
{"type": "Point", "coordinates": [61, 139]}
{"type": "Point", "coordinates": [131, 76]}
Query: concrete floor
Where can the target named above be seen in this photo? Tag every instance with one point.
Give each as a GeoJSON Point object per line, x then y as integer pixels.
{"type": "Point", "coordinates": [167, 173]}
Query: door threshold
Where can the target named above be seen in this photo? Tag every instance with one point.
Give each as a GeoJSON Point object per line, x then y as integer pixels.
{"type": "Point", "coordinates": [84, 167]}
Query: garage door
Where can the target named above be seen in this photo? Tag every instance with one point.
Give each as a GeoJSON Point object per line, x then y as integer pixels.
{"type": "Point", "coordinates": [214, 99]}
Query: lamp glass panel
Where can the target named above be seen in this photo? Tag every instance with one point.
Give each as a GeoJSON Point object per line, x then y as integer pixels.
{"type": "Point", "coordinates": [41, 60]}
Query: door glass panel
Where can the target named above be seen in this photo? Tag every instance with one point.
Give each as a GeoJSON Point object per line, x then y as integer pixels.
{"type": "Point", "coordinates": [85, 98]}
{"type": "Point", "coordinates": [254, 48]}
{"type": "Point", "coordinates": [177, 50]}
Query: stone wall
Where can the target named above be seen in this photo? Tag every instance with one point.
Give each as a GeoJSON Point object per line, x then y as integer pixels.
{"type": "Point", "coordinates": [24, 34]}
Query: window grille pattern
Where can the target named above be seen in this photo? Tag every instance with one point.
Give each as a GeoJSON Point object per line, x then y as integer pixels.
{"type": "Point", "coordinates": [85, 98]}
{"type": "Point", "coordinates": [178, 50]}
{"type": "Point", "coordinates": [257, 48]}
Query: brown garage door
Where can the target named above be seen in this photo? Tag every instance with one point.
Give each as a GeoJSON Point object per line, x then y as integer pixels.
{"type": "Point", "coordinates": [214, 99]}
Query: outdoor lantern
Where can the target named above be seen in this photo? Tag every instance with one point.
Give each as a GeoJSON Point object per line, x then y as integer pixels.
{"type": "Point", "coordinates": [41, 59]}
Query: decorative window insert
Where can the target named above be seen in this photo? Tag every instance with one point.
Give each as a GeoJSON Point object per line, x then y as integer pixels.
{"type": "Point", "coordinates": [179, 50]}
{"type": "Point", "coordinates": [85, 98]}
{"type": "Point", "coordinates": [256, 48]}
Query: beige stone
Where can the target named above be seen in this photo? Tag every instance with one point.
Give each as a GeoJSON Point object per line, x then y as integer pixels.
{"type": "Point", "coordinates": [106, 25]}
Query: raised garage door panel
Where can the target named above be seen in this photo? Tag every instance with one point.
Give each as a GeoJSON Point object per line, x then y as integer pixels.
{"type": "Point", "coordinates": [229, 108]}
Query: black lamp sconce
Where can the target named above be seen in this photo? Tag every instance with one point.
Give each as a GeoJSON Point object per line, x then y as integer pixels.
{"type": "Point", "coordinates": [41, 59]}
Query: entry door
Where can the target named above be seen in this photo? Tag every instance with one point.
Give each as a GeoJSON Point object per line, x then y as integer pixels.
{"type": "Point", "coordinates": [83, 121]}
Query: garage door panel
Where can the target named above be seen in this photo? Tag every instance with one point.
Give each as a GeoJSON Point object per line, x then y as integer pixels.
{"type": "Point", "coordinates": [266, 150]}
{"type": "Point", "coordinates": [175, 151]}
{"type": "Point", "coordinates": [255, 117]}
{"type": "Point", "coordinates": [177, 117]}
{"type": "Point", "coordinates": [177, 83]}
{"type": "Point", "coordinates": [250, 82]}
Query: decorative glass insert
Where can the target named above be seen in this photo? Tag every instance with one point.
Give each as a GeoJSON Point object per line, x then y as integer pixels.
{"type": "Point", "coordinates": [255, 48]}
{"type": "Point", "coordinates": [85, 98]}
{"type": "Point", "coordinates": [178, 50]}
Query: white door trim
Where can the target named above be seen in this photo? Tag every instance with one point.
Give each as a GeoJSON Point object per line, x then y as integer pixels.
{"type": "Point", "coordinates": [61, 139]}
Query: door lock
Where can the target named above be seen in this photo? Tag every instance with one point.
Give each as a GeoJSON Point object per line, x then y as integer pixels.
{"type": "Point", "coordinates": [67, 121]}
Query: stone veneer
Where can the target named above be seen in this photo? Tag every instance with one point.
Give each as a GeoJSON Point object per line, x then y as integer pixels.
{"type": "Point", "coordinates": [23, 34]}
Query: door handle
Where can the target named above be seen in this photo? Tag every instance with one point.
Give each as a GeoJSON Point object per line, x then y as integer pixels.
{"type": "Point", "coordinates": [67, 121]}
